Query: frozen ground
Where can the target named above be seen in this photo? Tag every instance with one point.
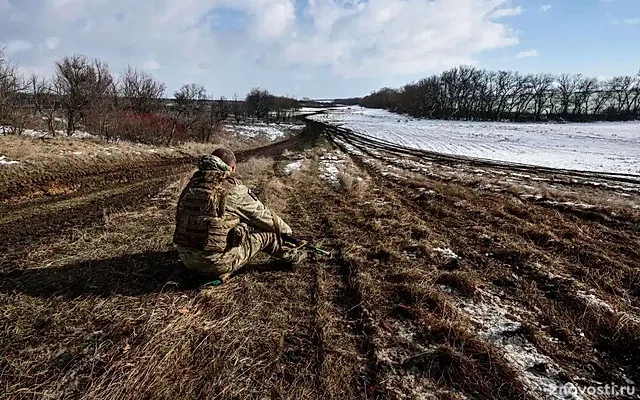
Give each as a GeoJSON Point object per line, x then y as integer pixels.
{"type": "Point", "coordinates": [599, 147]}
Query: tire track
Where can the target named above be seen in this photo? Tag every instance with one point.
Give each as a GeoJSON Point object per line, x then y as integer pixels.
{"type": "Point", "coordinates": [33, 228]}
{"type": "Point", "coordinates": [31, 223]}
{"type": "Point", "coordinates": [346, 358]}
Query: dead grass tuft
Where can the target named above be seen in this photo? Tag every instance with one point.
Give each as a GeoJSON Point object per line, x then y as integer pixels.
{"type": "Point", "coordinates": [353, 185]}
{"type": "Point", "coordinates": [483, 370]}
{"type": "Point", "coordinates": [254, 168]}
{"type": "Point", "coordinates": [463, 282]}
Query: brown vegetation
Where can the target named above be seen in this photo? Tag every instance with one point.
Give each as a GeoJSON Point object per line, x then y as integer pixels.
{"type": "Point", "coordinates": [433, 284]}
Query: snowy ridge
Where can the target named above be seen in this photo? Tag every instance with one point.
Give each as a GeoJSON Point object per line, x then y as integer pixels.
{"type": "Point", "coordinates": [596, 147]}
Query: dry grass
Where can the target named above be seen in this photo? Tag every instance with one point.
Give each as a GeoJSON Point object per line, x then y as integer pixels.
{"type": "Point", "coordinates": [41, 157]}
{"type": "Point", "coordinates": [116, 317]}
{"type": "Point", "coordinates": [254, 168]}
{"type": "Point", "coordinates": [353, 185]}
{"type": "Point", "coordinates": [108, 313]}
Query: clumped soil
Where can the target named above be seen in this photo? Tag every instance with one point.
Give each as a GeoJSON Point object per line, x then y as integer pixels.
{"type": "Point", "coordinates": [437, 289]}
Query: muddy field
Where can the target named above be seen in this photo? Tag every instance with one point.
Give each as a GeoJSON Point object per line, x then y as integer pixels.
{"type": "Point", "coordinates": [449, 280]}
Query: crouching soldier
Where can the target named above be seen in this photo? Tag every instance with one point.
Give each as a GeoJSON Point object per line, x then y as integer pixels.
{"type": "Point", "coordinates": [221, 225]}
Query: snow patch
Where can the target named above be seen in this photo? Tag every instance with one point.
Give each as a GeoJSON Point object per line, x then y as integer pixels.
{"type": "Point", "coordinates": [272, 131]}
{"type": "Point", "coordinates": [4, 161]}
{"type": "Point", "coordinates": [447, 253]}
{"type": "Point", "coordinates": [537, 372]}
{"type": "Point", "coordinates": [593, 300]}
{"type": "Point", "coordinates": [329, 168]}
{"type": "Point", "coordinates": [309, 110]}
{"type": "Point", "coordinates": [35, 133]}
{"type": "Point", "coordinates": [167, 193]}
{"type": "Point", "coordinates": [404, 382]}
{"type": "Point", "coordinates": [294, 166]}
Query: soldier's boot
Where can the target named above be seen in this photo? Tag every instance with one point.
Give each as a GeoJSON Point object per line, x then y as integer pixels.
{"type": "Point", "coordinates": [225, 277]}
{"type": "Point", "coordinates": [217, 281]}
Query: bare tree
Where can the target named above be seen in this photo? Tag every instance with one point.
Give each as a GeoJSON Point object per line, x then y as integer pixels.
{"type": "Point", "coordinates": [259, 102]}
{"type": "Point", "coordinates": [466, 92]}
{"type": "Point", "coordinates": [237, 108]}
{"type": "Point", "coordinates": [216, 114]}
{"type": "Point", "coordinates": [104, 114]}
{"type": "Point", "coordinates": [187, 107]}
{"type": "Point", "coordinates": [45, 101]}
{"type": "Point", "coordinates": [141, 92]}
{"type": "Point", "coordinates": [585, 88]}
{"type": "Point", "coordinates": [80, 83]}
{"type": "Point", "coordinates": [636, 97]}
{"type": "Point", "coordinates": [567, 85]}
{"type": "Point", "coordinates": [11, 84]}
{"type": "Point", "coordinates": [542, 95]}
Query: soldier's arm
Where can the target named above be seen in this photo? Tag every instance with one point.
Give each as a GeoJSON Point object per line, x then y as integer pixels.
{"type": "Point", "coordinates": [241, 202]}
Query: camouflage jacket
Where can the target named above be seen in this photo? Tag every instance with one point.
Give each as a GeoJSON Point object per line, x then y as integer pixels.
{"type": "Point", "coordinates": [242, 203]}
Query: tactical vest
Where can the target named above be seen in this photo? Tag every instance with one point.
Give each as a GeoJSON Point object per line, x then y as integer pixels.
{"type": "Point", "coordinates": [201, 221]}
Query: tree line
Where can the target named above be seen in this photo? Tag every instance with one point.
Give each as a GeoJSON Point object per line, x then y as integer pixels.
{"type": "Point", "coordinates": [84, 94]}
{"type": "Point", "coordinates": [468, 93]}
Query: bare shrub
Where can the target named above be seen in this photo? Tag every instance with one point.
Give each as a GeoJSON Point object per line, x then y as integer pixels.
{"type": "Point", "coordinates": [255, 167]}
{"type": "Point", "coordinates": [149, 128]}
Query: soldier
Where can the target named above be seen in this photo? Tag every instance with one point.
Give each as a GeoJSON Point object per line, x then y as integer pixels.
{"type": "Point", "coordinates": [221, 225]}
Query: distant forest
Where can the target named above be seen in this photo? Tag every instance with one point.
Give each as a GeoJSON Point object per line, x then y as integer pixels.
{"type": "Point", "coordinates": [468, 93]}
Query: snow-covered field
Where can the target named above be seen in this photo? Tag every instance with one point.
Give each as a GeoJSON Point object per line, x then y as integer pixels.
{"type": "Point", "coordinates": [272, 131]}
{"type": "Point", "coordinates": [599, 147]}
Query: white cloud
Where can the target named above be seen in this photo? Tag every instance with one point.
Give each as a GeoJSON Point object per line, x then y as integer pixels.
{"type": "Point", "coordinates": [52, 42]}
{"type": "Point", "coordinates": [276, 18]}
{"type": "Point", "coordinates": [17, 46]}
{"type": "Point", "coordinates": [375, 39]}
{"type": "Point", "coordinates": [631, 21]}
{"type": "Point", "coordinates": [151, 65]}
{"type": "Point", "coordinates": [545, 7]}
{"type": "Point", "coordinates": [527, 54]}
{"type": "Point", "coordinates": [400, 36]}
{"type": "Point", "coordinates": [506, 12]}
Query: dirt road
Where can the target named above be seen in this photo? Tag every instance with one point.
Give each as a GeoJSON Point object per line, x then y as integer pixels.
{"type": "Point", "coordinates": [443, 285]}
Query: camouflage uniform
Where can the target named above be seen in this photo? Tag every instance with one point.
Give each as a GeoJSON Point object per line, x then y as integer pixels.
{"type": "Point", "coordinates": [237, 226]}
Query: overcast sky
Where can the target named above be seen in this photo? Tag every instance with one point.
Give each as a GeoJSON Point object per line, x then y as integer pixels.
{"type": "Point", "coordinates": [323, 48]}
